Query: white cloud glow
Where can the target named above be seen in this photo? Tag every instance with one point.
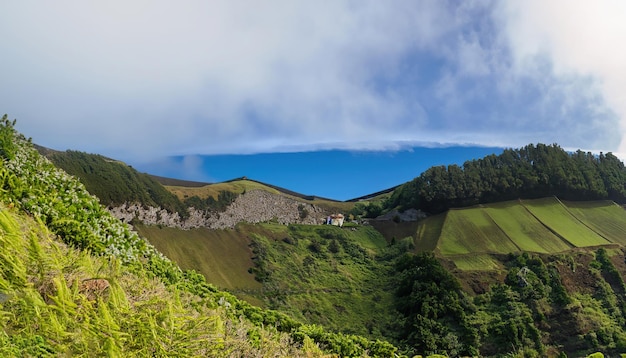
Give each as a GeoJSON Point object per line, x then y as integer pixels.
{"type": "Point", "coordinates": [143, 79]}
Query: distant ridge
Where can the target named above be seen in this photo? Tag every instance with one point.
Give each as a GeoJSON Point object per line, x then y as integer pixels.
{"type": "Point", "coordinates": [283, 190]}
{"type": "Point", "coordinates": [178, 182]}
{"type": "Point", "coordinates": [373, 195]}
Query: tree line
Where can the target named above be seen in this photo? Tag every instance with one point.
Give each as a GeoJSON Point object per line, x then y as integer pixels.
{"type": "Point", "coordinates": [532, 171]}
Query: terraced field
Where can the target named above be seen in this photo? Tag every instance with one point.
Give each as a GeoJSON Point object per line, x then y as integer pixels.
{"type": "Point", "coordinates": [554, 215]}
{"type": "Point", "coordinates": [469, 231]}
{"type": "Point", "coordinates": [470, 236]}
{"type": "Point", "coordinates": [524, 230]}
{"type": "Point", "coordinates": [604, 217]}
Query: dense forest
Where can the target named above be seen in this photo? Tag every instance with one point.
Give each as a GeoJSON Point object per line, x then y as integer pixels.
{"type": "Point", "coordinates": [533, 171]}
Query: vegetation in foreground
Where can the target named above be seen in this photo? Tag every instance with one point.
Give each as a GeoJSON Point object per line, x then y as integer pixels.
{"type": "Point", "coordinates": [183, 321]}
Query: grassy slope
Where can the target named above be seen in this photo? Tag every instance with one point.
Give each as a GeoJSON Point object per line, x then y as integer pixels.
{"type": "Point", "coordinates": [345, 290]}
{"type": "Point", "coordinates": [159, 310]}
{"type": "Point", "coordinates": [527, 233]}
{"type": "Point", "coordinates": [222, 256]}
{"type": "Point", "coordinates": [238, 186]}
{"type": "Point", "coordinates": [243, 185]}
{"type": "Point", "coordinates": [472, 231]}
{"type": "Point", "coordinates": [46, 313]}
{"type": "Point", "coordinates": [604, 217]}
{"type": "Point", "coordinates": [471, 236]}
{"type": "Point", "coordinates": [428, 233]}
{"type": "Point", "coordinates": [556, 217]}
{"type": "Point", "coordinates": [342, 291]}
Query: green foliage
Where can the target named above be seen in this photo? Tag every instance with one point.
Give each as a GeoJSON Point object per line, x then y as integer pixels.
{"type": "Point", "coordinates": [345, 345]}
{"type": "Point", "coordinates": [150, 308]}
{"type": "Point", "coordinates": [367, 210]}
{"type": "Point", "coordinates": [343, 280]}
{"type": "Point", "coordinates": [224, 199]}
{"type": "Point", "coordinates": [324, 275]}
{"type": "Point", "coordinates": [116, 183]}
{"type": "Point", "coordinates": [512, 323]}
{"type": "Point", "coordinates": [609, 270]}
{"type": "Point", "coordinates": [7, 133]}
{"type": "Point", "coordinates": [433, 308]}
{"type": "Point", "coordinates": [528, 172]}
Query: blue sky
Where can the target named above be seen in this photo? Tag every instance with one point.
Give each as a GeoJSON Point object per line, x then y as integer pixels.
{"type": "Point", "coordinates": [333, 174]}
{"type": "Point", "coordinates": [148, 80]}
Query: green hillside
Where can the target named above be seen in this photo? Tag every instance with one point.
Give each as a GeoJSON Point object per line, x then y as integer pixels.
{"type": "Point", "coordinates": [472, 231]}
{"type": "Point", "coordinates": [530, 172]}
{"type": "Point", "coordinates": [317, 274]}
{"type": "Point", "coordinates": [242, 185]}
{"type": "Point", "coordinates": [546, 226]}
{"type": "Point", "coordinates": [224, 257]}
{"type": "Point", "coordinates": [521, 227]}
{"type": "Point", "coordinates": [76, 281]}
{"type": "Point", "coordinates": [606, 218]}
{"type": "Point", "coordinates": [49, 309]}
{"type": "Point", "coordinates": [60, 249]}
{"type": "Point", "coordinates": [114, 182]}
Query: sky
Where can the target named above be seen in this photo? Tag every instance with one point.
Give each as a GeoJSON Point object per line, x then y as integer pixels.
{"type": "Point", "coordinates": [158, 82]}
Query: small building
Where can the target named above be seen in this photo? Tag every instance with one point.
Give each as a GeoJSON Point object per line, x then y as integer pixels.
{"type": "Point", "coordinates": [335, 219]}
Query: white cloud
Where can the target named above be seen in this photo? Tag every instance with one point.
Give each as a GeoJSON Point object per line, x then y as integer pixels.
{"type": "Point", "coordinates": [151, 78]}
{"type": "Point", "coordinates": [579, 39]}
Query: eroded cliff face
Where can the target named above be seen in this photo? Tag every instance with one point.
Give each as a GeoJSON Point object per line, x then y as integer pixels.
{"type": "Point", "coordinates": [253, 207]}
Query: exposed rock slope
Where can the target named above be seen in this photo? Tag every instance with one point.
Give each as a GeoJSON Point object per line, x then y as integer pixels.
{"type": "Point", "coordinates": [253, 206]}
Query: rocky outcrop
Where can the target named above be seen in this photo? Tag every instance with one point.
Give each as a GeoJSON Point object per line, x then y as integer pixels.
{"type": "Point", "coordinates": [253, 207]}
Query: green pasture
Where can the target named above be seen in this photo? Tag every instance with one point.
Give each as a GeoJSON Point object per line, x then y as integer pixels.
{"type": "Point", "coordinates": [476, 262]}
{"type": "Point", "coordinates": [604, 217]}
{"type": "Point", "coordinates": [523, 229]}
{"type": "Point", "coordinates": [557, 217]}
{"type": "Point", "coordinates": [203, 192]}
{"type": "Point", "coordinates": [369, 238]}
{"type": "Point", "coordinates": [428, 233]}
{"type": "Point", "coordinates": [471, 230]}
{"type": "Point", "coordinates": [222, 256]}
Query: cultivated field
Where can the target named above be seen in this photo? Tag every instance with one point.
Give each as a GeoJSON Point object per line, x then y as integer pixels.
{"type": "Point", "coordinates": [470, 236]}
{"type": "Point", "coordinates": [524, 230]}
{"type": "Point", "coordinates": [554, 215]}
{"type": "Point", "coordinates": [604, 217]}
{"type": "Point", "coordinates": [469, 231]}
